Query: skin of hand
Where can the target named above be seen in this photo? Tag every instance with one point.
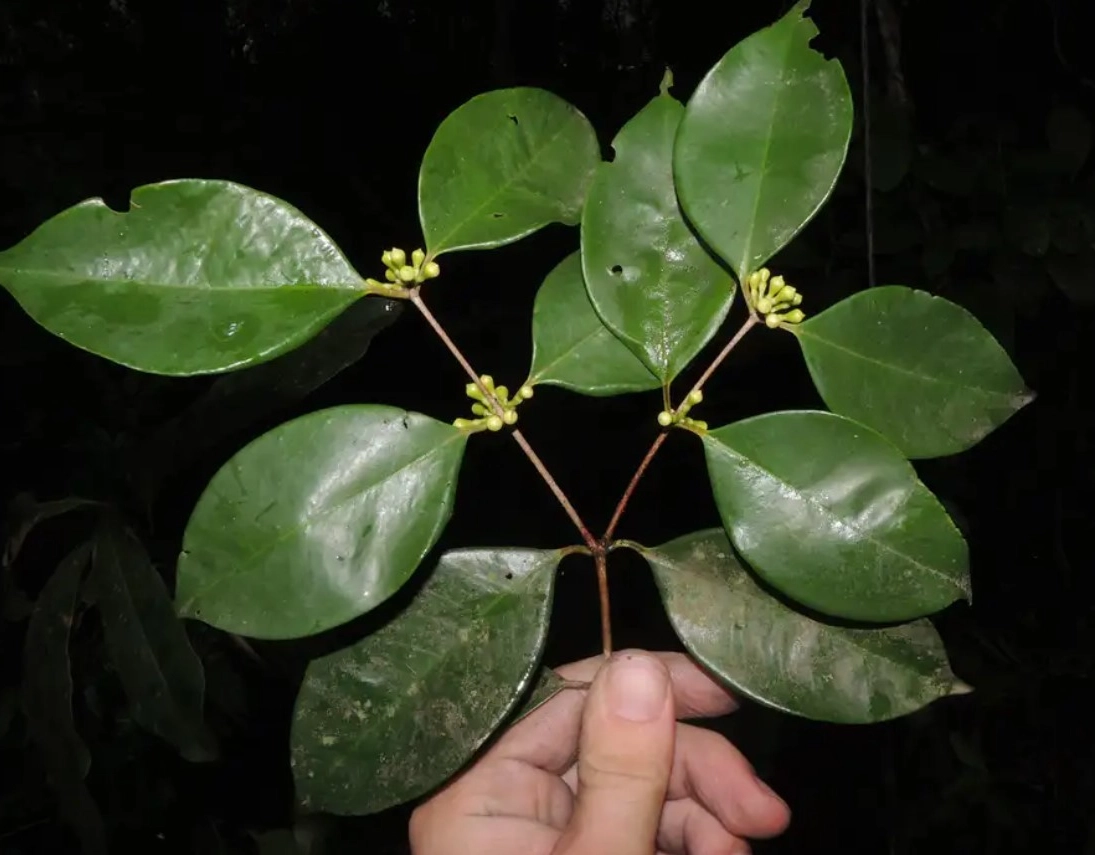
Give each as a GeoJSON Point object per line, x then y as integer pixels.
{"type": "Point", "coordinates": [608, 771]}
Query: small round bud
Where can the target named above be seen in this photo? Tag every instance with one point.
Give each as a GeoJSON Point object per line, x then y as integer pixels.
{"type": "Point", "coordinates": [417, 257]}
{"type": "Point", "coordinates": [795, 316]}
{"type": "Point", "coordinates": [480, 410]}
{"type": "Point", "coordinates": [510, 417]}
{"type": "Point", "coordinates": [461, 424]}
{"type": "Point", "coordinates": [695, 397]}
{"type": "Point", "coordinates": [487, 381]}
{"type": "Point", "coordinates": [502, 392]}
{"type": "Point", "coordinates": [525, 392]}
{"type": "Point", "coordinates": [773, 321]}
{"type": "Point", "coordinates": [797, 301]}
{"type": "Point", "coordinates": [406, 273]}
{"type": "Point", "coordinates": [389, 274]}
{"type": "Point", "coordinates": [431, 270]}
{"type": "Point", "coordinates": [763, 274]}
{"type": "Point", "coordinates": [398, 257]}
{"type": "Point", "coordinates": [665, 418]}
{"type": "Point", "coordinates": [472, 391]}
{"type": "Point", "coordinates": [494, 423]}
{"type": "Point", "coordinates": [386, 258]}
{"type": "Point", "coordinates": [776, 283]}
{"type": "Point", "coordinates": [764, 305]}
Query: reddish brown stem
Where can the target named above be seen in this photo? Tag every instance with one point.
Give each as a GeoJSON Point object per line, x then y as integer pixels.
{"type": "Point", "coordinates": [750, 322]}
{"type": "Point", "coordinates": [626, 497]}
{"type": "Point", "coordinates": [602, 592]}
{"type": "Point", "coordinates": [534, 458]}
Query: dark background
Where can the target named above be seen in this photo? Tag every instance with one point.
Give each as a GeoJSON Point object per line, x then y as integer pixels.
{"type": "Point", "coordinates": [330, 105]}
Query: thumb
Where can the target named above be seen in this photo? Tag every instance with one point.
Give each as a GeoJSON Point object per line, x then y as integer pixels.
{"type": "Point", "coordinates": [624, 758]}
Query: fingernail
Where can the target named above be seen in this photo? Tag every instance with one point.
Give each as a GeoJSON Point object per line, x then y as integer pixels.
{"type": "Point", "coordinates": [637, 688]}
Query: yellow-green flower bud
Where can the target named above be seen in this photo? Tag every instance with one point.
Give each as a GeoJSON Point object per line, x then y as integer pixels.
{"type": "Point", "coordinates": [764, 305]}
{"type": "Point", "coordinates": [386, 258]}
{"type": "Point", "coordinates": [398, 257]}
{"type": "Point", "coordinates": [524, 392]}
{"type": "Point", "coordinates": [494, 423]}
{"type": "Point", "coordinates": [695, 397]}
{"type": "Point", "coordinates": [510, 417]}
{"type": "Point", "coordinates": [701, 425]}
{"type": "Point", "coordinates": [797, 301]}
{"type": "Point", "coordinates": [772, 321]}
{"type": "Point", "coordinates": [431, 270]}
{"type": "Point", "coordinates": [503, 393]}
{"type": "Point", "coordinates": [417, 257]}
{"type": "Point", "coordinates": [389, 274]}
{"type": "Point", "coordinates": [776, 285]}
{"type": "Point", "coordinates": [763, 274]}
{"type": "Point", "coordinates": [462, 424]}
{"type": "Point", "coordinates": [480, 410]}
{"type": "Point", "coordinates": [472, 391]}
{"type": "Point", "coordinates": [487, 381]}
{"type": "Point", "coordinates": [406, 273]}
{"type": "Point", "coordinates": [795, 316]}
{"type": "Point", "coordinates": [665, 418]}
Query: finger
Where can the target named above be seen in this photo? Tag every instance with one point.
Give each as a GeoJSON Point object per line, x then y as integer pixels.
{"type": "Point", "coordinates": [482, 834]}
{"type": "Point", "coordinates": [687, 829]}
{"type": "Point", "coordinates": [548, 738]}
{"type": "Point", "coordinates": [625, 756]}
{"type": "Point", "coordinates": [710, 770]}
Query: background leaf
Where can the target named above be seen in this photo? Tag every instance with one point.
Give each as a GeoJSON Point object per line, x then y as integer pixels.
{"type": "Point", "coordinates": [784, 659]}
{"type": "Point", "coordinates": [396, 714]}
{"type": "Point", "coordinates": [503, 165]}
{"type": "Point", "coordinates": [159, 670]}
{"type": "Point", "coordinates": [830, 513]}
{"type": "Point", "coordinates": [237, 400]}
{"type": "Point", "coordinates": [47, 699]}
{"type": "Point", "coordinates": [318, 521]}
{"type": "Point", "coordinates": [762, 142]}
{"type": "Point", "coordinates": [198, 276]}
{"type": "Point", "coordinates": [917, 368]}
{"type": "Point", "coordinates": [648, 276]}
{"type": "Point", "coordinates": [571, 346]}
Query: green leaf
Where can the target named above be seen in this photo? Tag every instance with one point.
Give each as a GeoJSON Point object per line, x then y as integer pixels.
{"type": "Point", "coordinates": [917, 368]}
{"type": "Point", "coordinates": [398, 713]}
{"type": "Point", "coordinates": [197, 277]}
{"type": "Point", "coordinates": [548, 684]}
{"type": "Point", "coordinates": [159, 670]}
{"type": "Point", "coordinates": [784, 659]}
{"type": "Point", "coordinates": [502, 166]}
{"type": "Point", "coordinates": [830, 513]}
{"type": "Point", "coordinates": [571, 346]}
{"type": "Point", "coordinates": [47, 700]}
{"type": "Point", "coordinates": [235, 401]}
{"type": "Point", "coordinates": [648, 276]}
{"type": "Point", "coordinates": [25, 513]}
{"type": "Point", "coordinates": [762, 142]}
{"type": "Point", "coordinates": [318, 521]}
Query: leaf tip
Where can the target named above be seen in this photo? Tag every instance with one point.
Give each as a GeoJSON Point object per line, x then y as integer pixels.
{"type": "Point", "coordinates": [960, 687]}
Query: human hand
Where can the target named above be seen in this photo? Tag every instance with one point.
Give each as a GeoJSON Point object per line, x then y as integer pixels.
{"type": "Point", "coordinates": [608, 771]}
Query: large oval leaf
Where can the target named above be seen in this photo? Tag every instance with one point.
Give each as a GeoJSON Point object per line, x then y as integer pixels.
{"type": "Point", "coordinates": [502, 166]}
{"type": "Point", "coordinates": [199, 276]}
{"type": "Point", "coordinates": [318, 521]}
{"type": "Point", "coordinates": [648, 276]}
{"type": "Point", "coordinates": [571, 346]}
{"type": "Point", "coordinates": [916, 368]}
{"type": "Point", "coordinates": [159, 670]}
{"type": "Point", "coordinates": [829, 512]}
{"type": "Point", "coordinates": [762, 142]}
{"type": "Point", "coordinates": [396, 714]}
{"type": "Point", "coordinates": [782, 658]}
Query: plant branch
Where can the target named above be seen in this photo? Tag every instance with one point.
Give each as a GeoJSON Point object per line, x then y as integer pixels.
{"type": "Point", "coordinates": [750, 322]}
{"type": "Point", "coordinates": [602, 592]}
{"type": "Point", "coordinates": [534, 458]}
{"type": "Point", "coordinates": [626, 497]}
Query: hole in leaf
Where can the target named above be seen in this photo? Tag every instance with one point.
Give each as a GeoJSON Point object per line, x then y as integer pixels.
{"type": "Point", "coordinates": [615, 270]}
{"type": "Point", "coordinates": [509, 575]}
{"type": "Point", "coordinates": [512, 118]}
{"type": "Point", "coordinates": [497, 215]}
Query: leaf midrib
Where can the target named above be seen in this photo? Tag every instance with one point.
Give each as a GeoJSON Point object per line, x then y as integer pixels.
{"type": "Point", "coordinates": [143, 283]}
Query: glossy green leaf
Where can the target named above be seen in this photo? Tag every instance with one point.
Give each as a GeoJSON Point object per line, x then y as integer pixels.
{"type": "Point", "coordinates": [649, 278]}
{"type": "Point", "coordinates": [197, 277]}
{"type": "Point", "coordinates": [318, 521]}
{"type": "Point", "coordinates": [782, 658]}
{"type": "Point", "coordinates": [398, 713]}
{"type": "Point", "coordinates": [571, 346]}
{"type": "Point", "coordinates": [47, 672]}
{"type": "Point", "coordinates": [147, 643]}
{"type": "Point", "coordinates": [830, 513]}
{"type": "Point", "coordinates": [502, 166]}
{"type": "Point", "coordinates": [238, 400]}
{"type": "Point", "coordinates": [548, 684]}
{"type": "Point", "coordinates": [762, 142]}
{"type": "Point", "coordinates": [917, 368]}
